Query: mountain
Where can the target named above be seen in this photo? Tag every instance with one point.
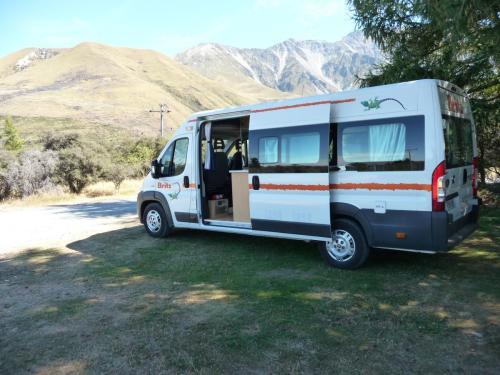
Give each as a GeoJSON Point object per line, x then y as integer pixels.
{"type": "Point", "coordinates": [108, 85]}
{"type": "Point", "coordinates": [302, 67]}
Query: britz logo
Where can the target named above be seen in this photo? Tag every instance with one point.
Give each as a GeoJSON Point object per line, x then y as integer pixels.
{"type": "Point", "coordinates": [454, 105]}
{"type": "Point", "coordinates": [164, 185]}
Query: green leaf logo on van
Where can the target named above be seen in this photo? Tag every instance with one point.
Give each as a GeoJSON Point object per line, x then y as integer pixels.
{"type": "Point", "coordinates": [375, 103]}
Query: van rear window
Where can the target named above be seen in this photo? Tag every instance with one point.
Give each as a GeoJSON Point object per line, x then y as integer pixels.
{"type": "Point", "coordinates": [395, 144]}
{"type": "Point", "coordinates": [458, 141]}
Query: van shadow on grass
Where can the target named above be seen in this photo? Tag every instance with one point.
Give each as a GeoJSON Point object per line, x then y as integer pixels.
{"type": "Point", "coordinates": [205, 302]}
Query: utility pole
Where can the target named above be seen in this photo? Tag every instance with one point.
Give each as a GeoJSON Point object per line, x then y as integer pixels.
{"type": "Point", "coordinates": [163, 109]}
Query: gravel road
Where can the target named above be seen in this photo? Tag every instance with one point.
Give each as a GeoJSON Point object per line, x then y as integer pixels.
{"type": "Point", "coordinates": [55, 225]}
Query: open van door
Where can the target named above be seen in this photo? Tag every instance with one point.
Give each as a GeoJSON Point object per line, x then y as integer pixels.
{"type": "Point", "coordinates": [288, 169]}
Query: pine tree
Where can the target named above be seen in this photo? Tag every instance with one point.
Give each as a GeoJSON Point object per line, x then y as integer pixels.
{"type": "Point", "coordinates": [13, 141]}
{"type": "Point", "coordinates": [453, 40]}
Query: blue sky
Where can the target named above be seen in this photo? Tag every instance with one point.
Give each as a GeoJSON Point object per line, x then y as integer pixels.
{"type": "Point", "coordinates": [168, 26]}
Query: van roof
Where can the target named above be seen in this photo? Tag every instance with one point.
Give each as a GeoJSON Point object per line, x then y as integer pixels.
{"type": "Point", "coordinates": [339, 96]}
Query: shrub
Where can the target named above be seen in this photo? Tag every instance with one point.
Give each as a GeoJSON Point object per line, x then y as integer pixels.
{"type": "Point", "coordinates": [116, 173]}
{"type": "Point", "coordinates": [140, 153]}
{"type": "Point", "coordinates": [31, 173]}
{"type": "Point", "coordinates": [5, 188]}
{"type": "Point", "coordinates": [6, 159]}
{"type": "Point", "coordinates": [78, 167]}
{"type": "Point", "coordinates": [57, 142]}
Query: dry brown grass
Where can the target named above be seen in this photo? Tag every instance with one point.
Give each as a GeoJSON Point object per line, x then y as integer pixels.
{"type": "Point", "coordinates": [95, 192]}
{"type": "Point", "coordinates": [108, 85]}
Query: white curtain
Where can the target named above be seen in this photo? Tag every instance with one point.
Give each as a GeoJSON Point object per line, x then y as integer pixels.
{"type": "Point", "coordinates": [268, 150]}
{"type": "Point", "coordinates": [387, 142]}
{"type": "Point", "coordinates": [209, 157]}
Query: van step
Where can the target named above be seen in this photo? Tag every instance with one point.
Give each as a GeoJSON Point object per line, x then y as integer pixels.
{"type": "Point", "coordinates": [226, 223]}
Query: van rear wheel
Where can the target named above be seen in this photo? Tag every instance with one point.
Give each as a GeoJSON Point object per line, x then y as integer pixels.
{"type": "Point", "coordinates": [348, 248]}
{"type": "Point", "coordinates": [155, 220]}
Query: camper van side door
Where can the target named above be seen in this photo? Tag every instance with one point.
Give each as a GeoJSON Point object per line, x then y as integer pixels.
{"type": "Point", "coordinates": [288, 171]}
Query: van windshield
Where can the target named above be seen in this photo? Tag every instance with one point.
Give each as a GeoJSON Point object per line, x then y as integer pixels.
{"type": "Point", "coordinates": [458, 141]}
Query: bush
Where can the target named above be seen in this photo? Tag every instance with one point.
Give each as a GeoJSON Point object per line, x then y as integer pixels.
{"type": "Point", "coordinates": [6, 158]}
{"type": "Point", "coordinates": [115, 173]}
{"type": "Point", "coordinates": [5, 189]}
{"type": "Point", "coordinates": [140, 153]}
{"type": "Point", "coordinates": [78, 167]}
{"type": "Point", "coordinates": [31, 173]}
{"type": "Point", "coordinates": [57, 142]}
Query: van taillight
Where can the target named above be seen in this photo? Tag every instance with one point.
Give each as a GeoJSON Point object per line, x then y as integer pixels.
{"type": "Point", "coordinates": [438, 193]}
{"type": "Point", "coordinates": [475, 168]}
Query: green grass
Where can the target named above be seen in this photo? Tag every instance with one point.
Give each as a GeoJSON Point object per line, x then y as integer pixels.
{"type": "Point", "coordinates": [201, 302]}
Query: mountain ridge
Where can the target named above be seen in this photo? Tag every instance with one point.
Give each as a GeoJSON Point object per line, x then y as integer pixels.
{"type": "Point", "coordinates": [111, 85]}
{"type": "Point", "coordinates": [103, 84]}
{"type": "Point", "coordinates": [299, 66]}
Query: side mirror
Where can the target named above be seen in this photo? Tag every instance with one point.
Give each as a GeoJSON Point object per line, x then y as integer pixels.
{"type": "Point", "coordinates": [155, 169]}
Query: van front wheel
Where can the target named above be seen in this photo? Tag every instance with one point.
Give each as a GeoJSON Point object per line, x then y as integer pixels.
{"type": "Point", "coordinates": [155, 220]}
{"type": "Point", "coordinates": [348, 248]}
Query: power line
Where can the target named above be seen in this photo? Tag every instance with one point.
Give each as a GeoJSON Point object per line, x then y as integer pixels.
{"type": "Point", "coordinates": [163, 109]}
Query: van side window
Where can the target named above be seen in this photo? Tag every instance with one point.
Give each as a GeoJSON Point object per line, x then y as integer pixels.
{"type": "Point", "coordinates": [291, 149]}
{"type": "Point", "coordinates": [174, 159]}
{"type": "Point", "coordinates": [300, 148]}
{"type": "Point", "coordinates": [395, 144]}
{"type": "Point", "coordinates": [268, 150]}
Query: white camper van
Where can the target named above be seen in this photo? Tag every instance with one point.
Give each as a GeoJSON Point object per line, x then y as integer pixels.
{"type": "Point", "coordinates": [390, 167]}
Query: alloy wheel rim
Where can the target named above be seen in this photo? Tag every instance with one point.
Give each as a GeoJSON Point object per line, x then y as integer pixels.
{"type": "Point", "coordinates": [153, 221]}
{"type": "Point", "coordinates": [342, 246]}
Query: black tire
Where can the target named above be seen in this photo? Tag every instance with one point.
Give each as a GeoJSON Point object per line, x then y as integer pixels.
{"type": "Point", "coordinates": [156, 212]}
{"type": "Point", "coordinates": [347, 257]}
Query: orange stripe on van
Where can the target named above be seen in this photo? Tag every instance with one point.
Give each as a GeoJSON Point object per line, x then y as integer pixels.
{"type": "Point", "coordinates": [350, 100]}
{"type": "Point", "coordinates": [292, 187]}
{"type": "Point", "coordinates": [304, 105]}
{"type": "Point", "coordinates": [377, 186]}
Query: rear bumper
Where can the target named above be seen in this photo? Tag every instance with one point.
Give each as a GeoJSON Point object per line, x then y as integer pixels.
{"type": "Point", "coordinates": [447, 234]}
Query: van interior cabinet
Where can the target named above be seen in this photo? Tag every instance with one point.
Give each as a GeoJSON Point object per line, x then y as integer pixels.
{"type": "Point", "coordinates": [241, 209]}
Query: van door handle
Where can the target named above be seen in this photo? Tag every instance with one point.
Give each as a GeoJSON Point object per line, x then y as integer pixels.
{"type": "Point", "coordinates": [186, 182]}
{"type": "Point", "coordinates": [255, 182]}
{"type": "Point", "coordinates": [465, 176]}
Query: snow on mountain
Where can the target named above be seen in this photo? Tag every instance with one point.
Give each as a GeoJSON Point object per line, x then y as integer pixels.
{"type": "Point", "coordinates": [36, 54]}
{"type": "Point", "coordinates": [303, 67]}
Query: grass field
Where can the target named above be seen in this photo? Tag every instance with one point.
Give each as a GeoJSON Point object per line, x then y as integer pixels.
{"type": "Point", "coordinates": [122, 302]}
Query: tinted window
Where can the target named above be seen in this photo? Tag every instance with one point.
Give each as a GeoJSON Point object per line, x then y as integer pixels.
{"type": "Point", "coordinates": [174, 159]}
{"type": "Point", "coordinates": [295, 149]}
{"type": "Point", "coordinates": [180, 156]}
{"type": "Point", "coordinates": [458, 142]}
{"type": "Point", "coordinates": [381, 145]}
{"type": "Point", "coordinates": [300, 148]}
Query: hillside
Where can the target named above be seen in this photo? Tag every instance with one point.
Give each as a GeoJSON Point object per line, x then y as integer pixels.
{"type": "Point", "coordinates": [108, 85]}
{"type": "Point", "coordinates": [303, 67]}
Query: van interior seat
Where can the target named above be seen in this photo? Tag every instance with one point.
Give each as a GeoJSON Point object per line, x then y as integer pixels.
{"type": "Point", "coordinates": [236, 162]}
{"type": "Point", "coordinates": [217, 180]}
